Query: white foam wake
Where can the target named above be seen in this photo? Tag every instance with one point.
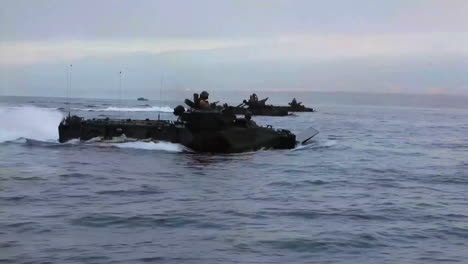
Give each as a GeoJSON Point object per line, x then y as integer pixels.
{"type": "Point", "coordinates": [131, 143]}
{"type": "Point", "coordinates": [165, 146]}
{"type": "Point", "coordinates": [29, 122]}
{"type": "Point", "coordinates": [165, 109]}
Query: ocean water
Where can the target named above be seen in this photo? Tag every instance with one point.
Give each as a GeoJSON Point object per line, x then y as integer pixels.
{"type": "Point", "coordinates": [381, 183]}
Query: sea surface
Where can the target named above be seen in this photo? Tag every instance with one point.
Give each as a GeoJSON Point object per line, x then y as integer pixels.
{"type": "Point", "coordinates": [381, 183]}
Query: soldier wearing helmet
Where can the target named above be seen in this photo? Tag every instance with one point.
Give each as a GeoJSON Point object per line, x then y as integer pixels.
{"type": "Point", "coordinates": [203, 101]}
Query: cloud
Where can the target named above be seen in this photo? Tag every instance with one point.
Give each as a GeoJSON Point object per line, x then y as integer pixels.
{"type": "Point", "coordinates": [208, 69]}
{"type": "Point", "coordinates": [339, 46]}
{"type": "Point", "coordinates": [65, 51]}
{"type": "Point", "coordinates": [120, 20]}
{"type": "Point", "coordinates": [366, 45]}
{"type": "Point", "coordinates": [311, 47]}
{"type": "Point", "coordinates": [54, 30]}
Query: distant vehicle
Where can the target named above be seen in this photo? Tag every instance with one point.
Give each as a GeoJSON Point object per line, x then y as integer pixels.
{"type": "Point", "coordinates": [142, 99]}
{"type": "Point", "coordinates": [259, 107]}
{"type": "Point", "coordinates": [295, 106]}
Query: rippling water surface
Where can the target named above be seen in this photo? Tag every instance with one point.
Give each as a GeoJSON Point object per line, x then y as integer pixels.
{"type": "Point", "coordinates": [377, 185]}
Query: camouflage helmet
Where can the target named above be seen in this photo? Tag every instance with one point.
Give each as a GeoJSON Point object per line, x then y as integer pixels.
{"type": "Point", "coordinates": [204, 95]}
{"type": "Point", "coordinates": [248, 115]}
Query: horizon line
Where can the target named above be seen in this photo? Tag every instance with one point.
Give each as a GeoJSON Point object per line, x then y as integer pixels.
{"type": "Point", "coordinates": [262, 91]}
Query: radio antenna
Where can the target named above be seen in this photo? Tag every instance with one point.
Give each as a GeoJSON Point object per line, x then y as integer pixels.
{"type": "Point", "coordinates": [160, 96]}
{"type": "Point", "coordinates": [120, 89]}
{"type": "Point", "coordinates": [69, 86]}
{"type": "Point", "coordinates": [66, 89]}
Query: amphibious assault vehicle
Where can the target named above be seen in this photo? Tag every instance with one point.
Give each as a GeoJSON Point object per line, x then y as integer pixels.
{"type": "Point", "coordinates": [259, 107]}
{"type": "Point", "coordinates": [200, 130]}
{"type": "Point", "coordinates": [294, 106]}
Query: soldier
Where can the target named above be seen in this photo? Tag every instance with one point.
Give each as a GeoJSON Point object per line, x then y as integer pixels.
{"type": "Point", "coordinates": [203, 101]}
{"type": "Point", "coordinates": [293, 102]}
{"type": "Point", "coordinates": [253, 99]}
{"type": "Point", "coordinates": [248, 118]}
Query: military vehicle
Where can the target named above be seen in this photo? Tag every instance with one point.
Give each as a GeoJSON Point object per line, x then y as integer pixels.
{"type": "Point", "coordinates": [200, 130]}
{"type": "Point", "coordinates": [259, 107]}
{"type": "Point", "coordinates": [294, 106]}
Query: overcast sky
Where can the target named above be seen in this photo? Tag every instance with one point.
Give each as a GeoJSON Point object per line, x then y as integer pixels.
{"type": "Point", "coordinates": [412, 46]}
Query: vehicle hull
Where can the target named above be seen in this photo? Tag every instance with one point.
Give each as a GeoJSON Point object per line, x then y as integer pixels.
{"type": "Point", "coordinates": [231, 139]}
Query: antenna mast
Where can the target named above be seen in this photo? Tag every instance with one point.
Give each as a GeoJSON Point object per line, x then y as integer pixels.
{"type": "Point", "coordinates": [69, 86]}
{"type": "Point", "coordinates": [120, 89]}
{"type": "Point", "coordinates": [160, 96]}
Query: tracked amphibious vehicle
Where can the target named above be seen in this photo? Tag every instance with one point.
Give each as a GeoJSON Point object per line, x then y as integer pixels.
{"type": "Point", "coordinates": [260, 108]}
{"type": "Point", "coordinates": [295, 106]}
{"type": "Point", "coordinates": [200, 130]}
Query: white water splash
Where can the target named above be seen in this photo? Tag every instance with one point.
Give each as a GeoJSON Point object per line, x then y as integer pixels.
{"type": "Point", "coordinates": [131, 143]}
{"type": "Point", "coordinates": [29, 122]}
{"type": "Point", "coordinates": [94, 139]}
{"type": "Point", "coordinates": [73, 141]}
{"type": "Point", "coordinates": [165, 109]}
{"type": "Point", "coordinates": [329, 143]}
{"type": "Point", "coordinates": [165, 146]}
{"type": "Point", "coordinates": [301, 147]}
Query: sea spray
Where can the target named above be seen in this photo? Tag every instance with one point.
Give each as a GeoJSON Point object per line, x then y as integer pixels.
{"type": "Point", "coordinates": [164, 146]}
{"type": "Point", "coordinates": [29, 122]}
{"type": "Point", "coordinates": [165, 109]}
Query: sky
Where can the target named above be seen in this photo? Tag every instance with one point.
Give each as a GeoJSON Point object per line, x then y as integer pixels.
{"type": "Point", "coordinates": [399, 46]}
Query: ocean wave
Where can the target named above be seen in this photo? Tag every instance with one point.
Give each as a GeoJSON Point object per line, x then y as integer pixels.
{"type": "Point", "coordinates": [29, 122]}
{"type": "Point", "coordinates": [364, 241]}
{"type": "Point", "coordinates": [144, 190]}
{"type": "Point", "coordinates": [316, 144]}
{"type": "Point", "coordinates": [105, 220]}
{"type": "Point", "coordinates": [165, 109]}
{"type": "Point", "coordinates": [132, 143]}
{"type": "Point", "coordinates": [75, 175]}
{"type": "Point", "coordinates": [297, 184]}
{"type": "Point", "coordinates": [28, 106]}
{"type": "Point", "coordinates": [119, 142]}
